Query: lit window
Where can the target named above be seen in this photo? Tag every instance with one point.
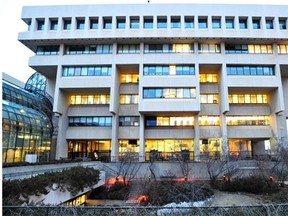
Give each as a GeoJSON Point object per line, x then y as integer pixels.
{"type": "Point", "coordinates": [129, 99]}
{"type": "Point", "coordinates": [208, 78]}
{"type": "Point", "coordinates": [129, 78]}
{"type": "Point", "coordinates": [209, 120]}
{"type": "Point", "coordinates": [209, 48]}
{"type": "Point", "coordinates": [282, 49]}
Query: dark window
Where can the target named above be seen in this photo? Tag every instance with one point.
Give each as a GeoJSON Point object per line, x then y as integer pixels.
{"type": "Point", "coordinates": [229, 23]}
{"type": "Point", "coordinates": [161, 22]}
{"type": "Point", "coordinates": [67, 25]}
{"type": "Point", "coordinates": [202, 23]}
{"type": "Point", "coordinates": [175, 22]}
{"type": "Point", "coordinates": [40, 25]}
{"type": "Point", "coordinates": [53, 24]}
{"type": "Point", "coordinates": [80, 24]}
{"type": "Point", "coordinates": [269, 24]}
{"type": "Point", "coordinates": [148, 22]}
{"type": "Point", "coordinates": [134, 23]}
{"type": "Point", "coordinates": [256, 23]}
{"type": "Point", "coordinates": [282, 23]}
{"type": "Point", "coordinates": [94, 23]}
{"type": "Point", "coordinates": [189, 22]}
{"type": "Point", "coordinates": [216, 23]}
{"type": "Point", "coordinates": [243, 23]}
{"type": "Point", "coordinates": [121, 23]}
{"type": "Point", "coordinates": [107, 23]}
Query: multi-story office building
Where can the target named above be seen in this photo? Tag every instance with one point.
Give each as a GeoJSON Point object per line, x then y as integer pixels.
{"type": "Point", "coordinates": [163, 81]}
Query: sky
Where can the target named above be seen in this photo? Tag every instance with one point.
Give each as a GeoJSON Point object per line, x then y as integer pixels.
{"type": "Point", "coordinates": [14, 56]}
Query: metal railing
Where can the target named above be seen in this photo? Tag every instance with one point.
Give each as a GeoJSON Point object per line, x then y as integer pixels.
{"type": "Point", "coordinates": [269, 209]}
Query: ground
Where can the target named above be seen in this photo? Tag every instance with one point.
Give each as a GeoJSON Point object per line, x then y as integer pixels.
{"type": "Point", "coordinates": [238, 199]}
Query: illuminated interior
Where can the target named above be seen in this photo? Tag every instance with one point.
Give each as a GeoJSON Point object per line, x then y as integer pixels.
{"type": "Point", "coordinates": [208, 78]}
{"type": "Point", "coordinates": [93, 149]}
{"type": "Point", "coordinates": [210, 148]}
{"type": "Point", "coordinates": [247, 120]}
{"type": "Point", "coordinates": [129, 78]}
{"type": "Point", "coordinates": [248, 98]}
{"type": "Point", "coordinates": [209, 120]}
{"type": "Point", "coordinates": [129, 148]}
{"type": "Point", "coordinates": [129, 99]}
{"type": "Point", "coordinates": [240, 149]}
{"type": "Point", "coordinates": [90, 99]}
{"type": "Point", "coordinates": [169, 149]}
{"type": "Point", "coordinates": [209, 98]}
{"type": "Point", "coordinates": [160, 121]}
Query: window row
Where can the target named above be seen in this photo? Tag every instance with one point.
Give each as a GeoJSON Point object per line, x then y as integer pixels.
{"type": "Point", "coordinates": [162, 48]}
{"type": "Point", "coordinates": [208, 78]}
{"type": "Point", "coordinates": [151, 70]}
{"type": "Point", "coordinates": [129, 78]}
{"type": "Point", "coordinates": [90, 99]}
{"type": "Point", "coordinates": [209, 120]}
{"type": "Point", "coordinates": [89, 49]}
{"type": "Point", "coordinates": [129, 99]}
{"type": "Point", "coordinates": [168, 48]}
{"type": "Point", "coordinates": [129, 121]}
{"type": "Point", "coordinates": [247, 120]}
{"type": "Point", "coordinates": [251, 70]}
{"type": "Point", "coordinates": [247, 98]}
{"type": "Point", "coordinates": [209, 98]}
{"type": "Point", "coordinates": [245, 49]}
{"type": "Point", "coordinates": [100, 121]}
{"type": "Point", "coordinates": [163, 22]}
{"type": "Point", "coordinates": [86, 71]}
{"type": "Point", "coordinates": [47, 50]}
{"type": "Point", "coordinates": [169, 93]}
{"type": "Point", "coordinates": [159, 121]}
{"type": "Point", "coordinates": [282, 49]}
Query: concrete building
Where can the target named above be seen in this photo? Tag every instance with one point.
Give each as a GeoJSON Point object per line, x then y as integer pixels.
{"type": "Point", "coordinates": [163, 81]}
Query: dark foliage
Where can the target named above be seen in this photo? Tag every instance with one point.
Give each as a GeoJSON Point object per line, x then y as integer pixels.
{"type": "Point", "coordinates": [116, 192]}
{"type": "Point", "coordinates": [16, 192]}
{"type": "Point", "coordinates": [161, 193]}
{"type": "Point", "coordinates": [251, 184]}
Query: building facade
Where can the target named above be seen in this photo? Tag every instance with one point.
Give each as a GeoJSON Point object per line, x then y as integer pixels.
{"type": "Point", "coordinates": [26, 120]}
{"type": "Point", "coordinates": [163, 82]}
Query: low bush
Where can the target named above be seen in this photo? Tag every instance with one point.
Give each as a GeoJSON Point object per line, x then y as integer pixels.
{"type": "Point", "coordinates": [17, 192]}
{"type": "Point", "coordinates": [251, 184]}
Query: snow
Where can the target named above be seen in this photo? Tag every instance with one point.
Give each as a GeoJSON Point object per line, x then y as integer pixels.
{"type": "Point", "coordinates": [180, 207]}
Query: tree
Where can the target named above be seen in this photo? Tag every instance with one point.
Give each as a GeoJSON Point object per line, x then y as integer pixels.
{"type": "Point", "coordinates": [127, 169]}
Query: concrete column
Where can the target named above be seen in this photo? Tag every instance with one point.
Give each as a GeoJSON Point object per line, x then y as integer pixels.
{"type": "Point", "coordinates": [114, 138]}
{"type": "Point", "coordinates": [196, 139]}
{"type": "Point", "coordinates": [142, 139]}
